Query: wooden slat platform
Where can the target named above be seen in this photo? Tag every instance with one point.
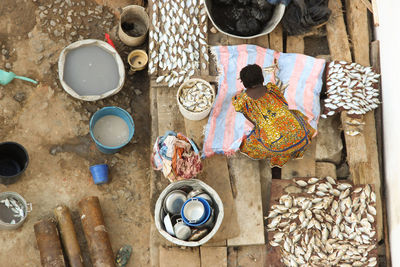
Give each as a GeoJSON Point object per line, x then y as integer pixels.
{"type": "Point", "coordinates": [363, 166]}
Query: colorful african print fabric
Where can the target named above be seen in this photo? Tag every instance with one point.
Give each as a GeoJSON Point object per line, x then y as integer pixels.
{"type": "Point", "coordinates": [279, 133]}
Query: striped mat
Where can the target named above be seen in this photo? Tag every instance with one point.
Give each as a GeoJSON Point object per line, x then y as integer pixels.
{"type": "Point", "coordinates": [226, 128]}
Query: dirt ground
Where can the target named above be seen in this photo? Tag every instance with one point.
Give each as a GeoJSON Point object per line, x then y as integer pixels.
{"type": "Point", "coordinates": [54, 128]}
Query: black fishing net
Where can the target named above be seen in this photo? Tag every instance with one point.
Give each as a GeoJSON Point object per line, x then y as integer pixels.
{"type": "Point", "coordinates": [301, 15]}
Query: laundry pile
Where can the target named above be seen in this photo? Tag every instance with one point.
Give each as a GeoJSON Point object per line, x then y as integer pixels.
{"type": "Point", "coordinates": [177, 156]}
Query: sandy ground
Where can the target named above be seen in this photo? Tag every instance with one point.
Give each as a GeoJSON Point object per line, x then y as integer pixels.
{"type": "Point", "coordinates": [54, 128]}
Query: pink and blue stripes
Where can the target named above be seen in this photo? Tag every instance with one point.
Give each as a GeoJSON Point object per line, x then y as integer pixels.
{"type": "Point", "coordinates": [226, 128]}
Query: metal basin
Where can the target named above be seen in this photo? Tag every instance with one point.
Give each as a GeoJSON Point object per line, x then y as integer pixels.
{"type": "Point", "coordinates": [269, 27]}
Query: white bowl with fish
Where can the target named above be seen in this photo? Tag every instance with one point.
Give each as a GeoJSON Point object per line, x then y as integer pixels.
{"type": "Point", "coordinates": [195, 98]}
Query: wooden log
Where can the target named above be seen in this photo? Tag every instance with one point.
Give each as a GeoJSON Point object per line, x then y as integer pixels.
{"type": "Point", "coordinates": [95, 231]}
{"type": "Point", "coordinates": [68, 236]}
{"type": "Point", "coordinates": [47, 238]}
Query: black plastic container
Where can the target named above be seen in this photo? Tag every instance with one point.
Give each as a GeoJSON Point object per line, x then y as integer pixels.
{"type": "Point", "coordinates": [14, 160]}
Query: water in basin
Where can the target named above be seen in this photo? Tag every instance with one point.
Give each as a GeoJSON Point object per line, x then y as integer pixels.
{"type": "Point", "coordinates": [90, 70]}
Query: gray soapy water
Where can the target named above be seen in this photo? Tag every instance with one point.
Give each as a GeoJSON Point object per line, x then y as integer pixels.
{"type": "Point", "coordinates": [90, 70]}
{"type": "Point", "coordinates": [111, 131]}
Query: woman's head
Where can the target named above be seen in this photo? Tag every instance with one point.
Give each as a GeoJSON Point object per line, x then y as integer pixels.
{"type": "Point", "coordinates": [251, 75]}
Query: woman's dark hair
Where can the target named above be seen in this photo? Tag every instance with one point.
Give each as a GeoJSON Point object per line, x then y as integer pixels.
{"type": "Point", "coordinates": [251, 75]}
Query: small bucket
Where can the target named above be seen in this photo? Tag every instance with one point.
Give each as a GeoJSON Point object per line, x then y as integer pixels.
{"type": "Point", "coordinates": [116, 111]}
{"type": "Point", "coordinates": [27, 207]}
{"type": "Point", "coordinates": [133, 25]}
{"type": "Point", "coordinates": [14, 160]}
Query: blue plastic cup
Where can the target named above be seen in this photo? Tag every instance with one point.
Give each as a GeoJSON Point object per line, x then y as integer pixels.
{"type": "Point", "coordinates": [116, 111]}
{"type": "Point", "coordinates": [99, 173]}
{"type": "Point", "coordinates": [204, 218]}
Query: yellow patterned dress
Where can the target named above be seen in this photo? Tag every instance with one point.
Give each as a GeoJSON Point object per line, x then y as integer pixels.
{"type": "Point", "coordinates": [279, 133]}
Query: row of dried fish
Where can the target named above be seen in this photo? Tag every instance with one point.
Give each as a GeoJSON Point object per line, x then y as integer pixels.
{"type": "Point", "coordinates": [196, 96]}
{"type": "Point", "coordinates": [179, 32]}
{"type": "Point", "coordinates": [351, 87]}
{"type": "Point", "coordinates": [330, 223]}
{"type": "Point", "coordinates": [15, 206]}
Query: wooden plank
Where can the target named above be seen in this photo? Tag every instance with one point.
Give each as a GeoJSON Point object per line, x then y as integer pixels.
{"type": "Point", "coordinates": [295, 44]}
{"type": "Point", "coordinates": [367, 5]}
{"type": "Point", "coordinates": [262, 41]}
{"type": "Point", "coordinates": [195, 130]}
{"type": "Point", "coordinates": [358, 29]}
{"type": "Point", "coordinates": [246, 176]}
{"type": "Point", "coordinates": [178, 257]}
{"type": "Point", "coordinates": [276, 39]}
{"type": "Point", "coordinates": [217, 38]}
{"type": "Point", "coordinates": [157, 181]}
{"type": "Point", "coordinates": [216, 174]}
{"type": "Point", "coordinates": [375, 61]}
{"type": "Point", "coordinates": [304, 167]}
{"type": "Point", "coordinates": [213, 256]}
{"type": "Point", "coordinates": [216, 166]}
{"type": "Point", "coordinates": [336, 32]}
{"type": "Point", "coordinates": [366, 171]}
{"type": "Point", "coordinates": [169, 116]}
{"type": "Point", "coordinates": [265, 180]}
{"type": "Point", "coordinates": [252, 256]}
{"type": "Point", "coordinates": [236, 41]}
{"type": "Point", "coordinates": [324, 169]}
{"type": "Point", "coordinates": [232, 256]}
{"type": "Point", "coordinates": [221, 243]}
{"type": "Point", "coordinates": [375, 13]}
